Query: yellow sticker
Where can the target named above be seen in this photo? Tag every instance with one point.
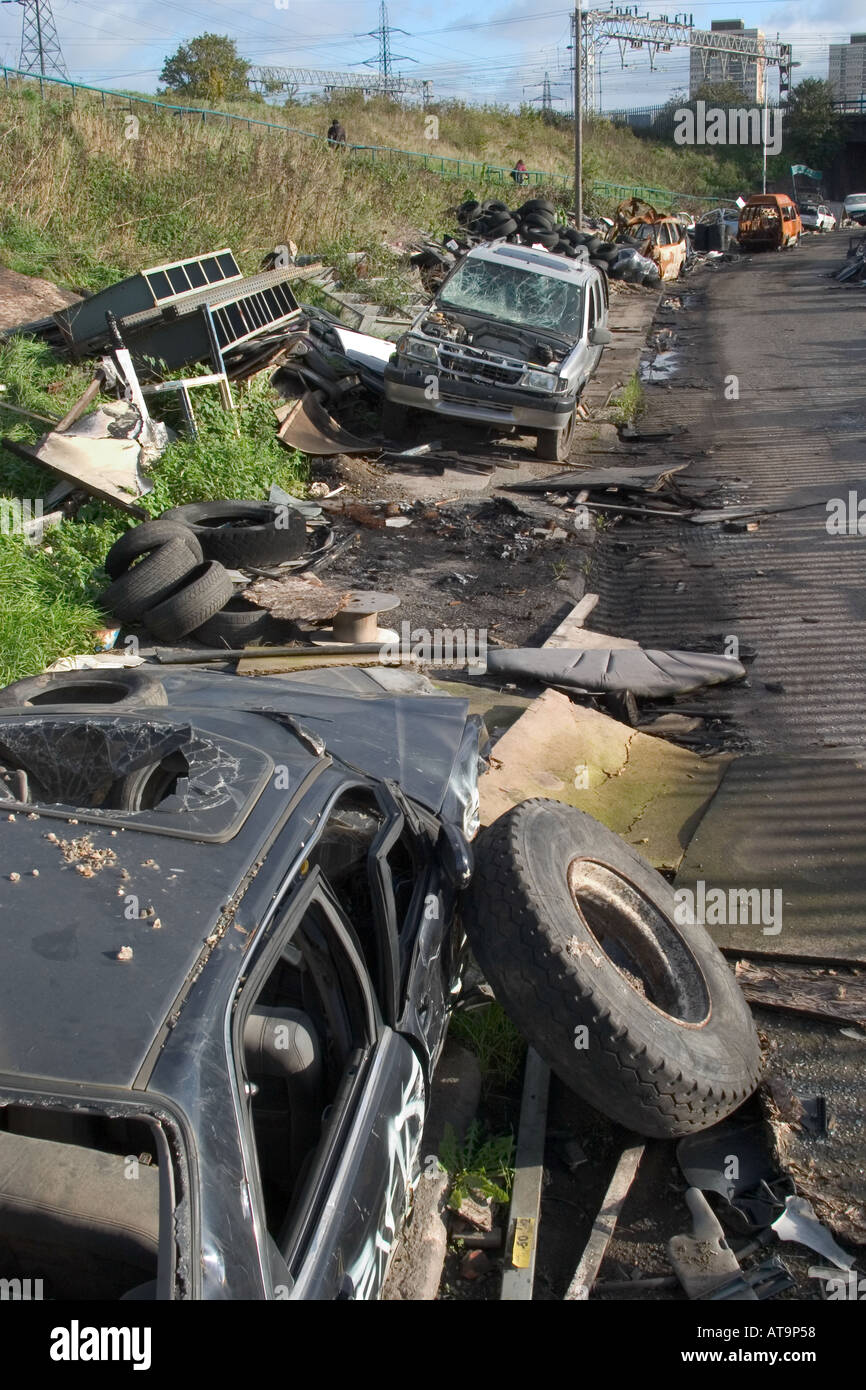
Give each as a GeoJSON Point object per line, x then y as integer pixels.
{"type": "Point", "coordinates": [524, 1235]}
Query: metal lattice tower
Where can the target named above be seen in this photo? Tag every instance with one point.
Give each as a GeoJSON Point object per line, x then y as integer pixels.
{"type": "Point", "coordinates": [385, 57]}
{"type": "Point", "coordinates": [629, 30]}
{"type": "Point", "coordinates": [40, 47]}
{"type": "Point", "coordinates": [547, 98]}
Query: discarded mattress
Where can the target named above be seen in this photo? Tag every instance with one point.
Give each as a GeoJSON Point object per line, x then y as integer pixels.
{"type": "Point", "coordinates": [652, 674]}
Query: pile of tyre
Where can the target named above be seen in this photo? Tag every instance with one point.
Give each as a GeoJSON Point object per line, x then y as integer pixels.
{"type": "Point", "coordinates": [534, 224]}
{"type": "Point", "coordinates": [172, 577]}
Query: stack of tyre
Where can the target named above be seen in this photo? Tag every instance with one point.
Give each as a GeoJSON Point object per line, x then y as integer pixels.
{"type": "Point", "coordinates": [172, 577]}
{"type": "Point", "coordinates": [534, 224]}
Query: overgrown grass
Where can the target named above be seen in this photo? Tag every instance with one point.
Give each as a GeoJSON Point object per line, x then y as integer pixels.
{"type": "Point", "coordinates": [84, 205]}
{"type": "Point", "coordinates": [49, 592]}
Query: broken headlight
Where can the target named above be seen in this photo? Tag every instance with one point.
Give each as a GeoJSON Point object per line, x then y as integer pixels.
{"type": "Point", "coordinates": [418, 347]}
{"type": "Point", "coordinates": [539, 381]}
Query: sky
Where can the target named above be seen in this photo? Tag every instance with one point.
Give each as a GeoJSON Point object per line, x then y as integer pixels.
{"type": "Point", "coordinates": [496, 53]}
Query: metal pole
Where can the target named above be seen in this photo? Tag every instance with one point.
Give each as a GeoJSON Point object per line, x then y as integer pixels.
{"type": "Point", "coordinates": [764, 134]}
{"type": "Point", "coordinates": [578, 117]}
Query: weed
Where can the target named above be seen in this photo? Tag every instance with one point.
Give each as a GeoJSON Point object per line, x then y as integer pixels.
{"type": "Point", "coordinates": [630, 402]}
{"type": "Point", "coordinates": [490, 1034]}
{"type": "Point", "coordinates": [479, 1166]}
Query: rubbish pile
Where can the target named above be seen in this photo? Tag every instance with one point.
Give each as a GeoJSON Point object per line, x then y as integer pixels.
{"type": "Point", "coordinates": [177, 575]}
{"type": "Point", "coordinates": [534, 224]}
{"type": "Point", "coordinates": [853, 272]}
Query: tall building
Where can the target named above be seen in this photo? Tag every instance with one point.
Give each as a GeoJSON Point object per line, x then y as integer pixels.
{"type": "Point", "coordinates": [848, 69]}
{"type": "Point", "coordinates": [745, 73]}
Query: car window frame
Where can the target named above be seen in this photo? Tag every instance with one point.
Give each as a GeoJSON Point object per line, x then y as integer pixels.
{"type": "Point", "coordinates": [313, 892]}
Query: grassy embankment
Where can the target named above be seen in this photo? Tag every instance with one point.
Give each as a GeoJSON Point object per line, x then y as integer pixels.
{"type": "Point", "coordinates": [83, 205]}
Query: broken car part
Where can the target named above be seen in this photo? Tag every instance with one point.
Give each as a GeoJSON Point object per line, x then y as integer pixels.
{"type": "Point", "coordinates": [647, 673]}
{"type": "Point", "coordinates": [307, 426]}
{"type": "Point", "coordinates": [703, 1261]}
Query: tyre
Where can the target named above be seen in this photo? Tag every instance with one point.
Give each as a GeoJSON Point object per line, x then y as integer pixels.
{"type": "Point", "coordinates": [537, 223]}
{"type": "Point", "coordinates": [593, 244]}
{"type": "Point", "coordinates": [498, 207]}
{"type": "Point", "coordinates": [507, 228]}
{"type": "Point", "coordinates": [599, 264]}
{"type": "Point", "coordinates": [554, 446]}
{"type": "Point", "coordinates": [96, 687]}
{"type": "Point", "coordinates": [196, 599]}
{"type": "Point", "coordinates": [244, 533]}
{"type": "Point", "coordinates": [607, 251]}
{"type": "Point", "coordinates": [148, 582]}
{"type": "Point", "coordinates": [395, 420]}
{"type": "Point", "coordinates": [140, 540]}
{"type": "Point", "coordinates": [236, 624]}
{"type": "Point", "coordinates": [537, 205]}
{"type": "Point", "coordinates": [575, 931]}
{"type": "Point", "coordinates": [546, 239]}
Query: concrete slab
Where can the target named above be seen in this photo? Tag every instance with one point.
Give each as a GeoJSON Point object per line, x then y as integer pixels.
{"type": "Point", "coordinates": [650, 792]}
{"type": "Point", "coordinates": [498, 708]}
{"type": "Point", "coordinates": [796, 825]}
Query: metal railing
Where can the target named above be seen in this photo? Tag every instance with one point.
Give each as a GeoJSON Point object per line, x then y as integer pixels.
{"type": "Point", "coordinates": [448, 166]}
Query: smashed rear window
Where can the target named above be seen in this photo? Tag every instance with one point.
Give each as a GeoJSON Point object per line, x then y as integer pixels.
{"type": "Point", "coordinates": [135, 772]}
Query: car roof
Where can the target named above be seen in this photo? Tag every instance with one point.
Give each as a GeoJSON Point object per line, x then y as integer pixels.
{"type": "Point", "coordinates": [73, 884]}
{"type": "Point", "coordinates": [531, 259]}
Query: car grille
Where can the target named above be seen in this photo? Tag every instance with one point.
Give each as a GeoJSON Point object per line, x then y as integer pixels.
{"type": "Point", "coordinates": [464, 363]}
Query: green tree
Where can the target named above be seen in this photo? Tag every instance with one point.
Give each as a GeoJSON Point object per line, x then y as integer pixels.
{"type": "Point", "coordinates": [208, 68]}
{"type": "Point", "coordinates": [813, 130]}
{"type": "Point", "coordinates": [720, 94]}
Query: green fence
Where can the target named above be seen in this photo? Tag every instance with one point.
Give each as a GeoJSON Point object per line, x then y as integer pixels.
{"type": "Point", "coordinates": [448, 166]}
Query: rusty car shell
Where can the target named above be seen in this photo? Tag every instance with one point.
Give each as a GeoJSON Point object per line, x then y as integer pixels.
{"type": "Point", "coordinates": [659, 236]}
{"type": "Point", "coordinates": [768, 222]}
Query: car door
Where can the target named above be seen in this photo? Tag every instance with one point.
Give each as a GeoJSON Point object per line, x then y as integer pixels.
{"type": "Point", "coordinates": [331, 1146]}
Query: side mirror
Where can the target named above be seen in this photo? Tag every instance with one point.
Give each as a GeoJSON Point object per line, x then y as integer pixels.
{"type": "Point", "coordinates": [600, 337]}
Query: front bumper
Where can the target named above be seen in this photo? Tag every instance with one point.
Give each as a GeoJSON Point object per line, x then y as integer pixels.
{"type": "Point", "coordinates": [485, 404]}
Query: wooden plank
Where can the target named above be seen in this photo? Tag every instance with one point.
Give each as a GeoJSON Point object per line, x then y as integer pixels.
{"type": "Point", "coordinates": [573, 622]}
{"type": "Point", "coordinates": [523, 1216]}
{"type": "Point", "coordinates": [812, 991]}
{"type": "Point", "coordinates": [605, 1224]}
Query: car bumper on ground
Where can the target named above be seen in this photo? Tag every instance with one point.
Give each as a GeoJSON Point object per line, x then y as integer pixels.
{"type": "Point", "coordinates": [486, 404]}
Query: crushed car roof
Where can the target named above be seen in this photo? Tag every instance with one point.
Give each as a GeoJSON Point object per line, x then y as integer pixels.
{"type": "Point", "coordinates": [76, 888]}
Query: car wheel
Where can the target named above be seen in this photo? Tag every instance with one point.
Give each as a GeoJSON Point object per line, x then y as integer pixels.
{"type": "Point", "coordinates": [81, 688]}
{"type": "Point", "coordinates": [242, 533]}
{"type": "Point", "coordinates": [554, 446]}
{"type": "Point", "coordinates": [147, 582]}
{"type": "Point", "coordinates": [140, 540]}
{"type": "Point", "coordinates": [196, 599]}
{"type": "Point", "coordinates": [235, 625]}
{"type": "Point", "coordinates": [576, 933]}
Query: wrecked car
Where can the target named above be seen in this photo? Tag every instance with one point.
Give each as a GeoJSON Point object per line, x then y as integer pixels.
{"type": "Point", "coordinates": [768, 222]}
{"type": "Point", "coordinates": [658, 236]}
{"type": "Point", "coordinates": [510, 341]}
{"type": "Point", "coordinates": [239, 931]}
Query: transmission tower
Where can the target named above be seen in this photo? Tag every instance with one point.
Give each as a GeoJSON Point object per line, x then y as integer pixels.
{"type": "Point", "coordinates": [40, 46]}
{"type": "Point", "coordinates": [547, 98]}
{"type": "Point", "coordinates": [385, 57]}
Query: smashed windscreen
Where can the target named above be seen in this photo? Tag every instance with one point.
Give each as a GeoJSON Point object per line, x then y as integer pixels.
{"type": "Point", "coordinates": [526, 298]}
{"type": "Point", "coordinates": [136, 771]}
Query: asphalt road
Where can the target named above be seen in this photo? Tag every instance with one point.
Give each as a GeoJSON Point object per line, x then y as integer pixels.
{"type": "Point", "coordinates": [792, 344]}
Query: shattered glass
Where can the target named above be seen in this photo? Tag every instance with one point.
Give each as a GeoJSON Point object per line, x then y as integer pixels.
{"type": "Point", "coordinates": [124, 767]}
{"type": "Point", "coordinates": [528, 299]}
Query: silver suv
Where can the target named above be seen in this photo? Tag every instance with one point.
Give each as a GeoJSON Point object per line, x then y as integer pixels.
{"type": "Point", "coordinates": [510, 340]}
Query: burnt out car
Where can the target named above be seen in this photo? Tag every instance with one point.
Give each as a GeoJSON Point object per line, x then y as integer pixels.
{"type": "Point", "coordinates": [233, 916]}
{"type": "Point", "coordinates": [229, 980]}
